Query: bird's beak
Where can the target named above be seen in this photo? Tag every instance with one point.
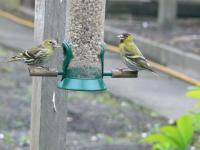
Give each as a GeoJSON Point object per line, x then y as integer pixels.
{"type": "Point", "coordinates": [57, 46]}
{"type": "Point", "coordinates": [120, 36]}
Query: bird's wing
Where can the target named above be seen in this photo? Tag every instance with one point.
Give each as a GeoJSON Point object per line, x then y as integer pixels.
{"type": "Point", "coordinates": [36, 52]}
{"type": "Point", "coordinates": [134, 57]}
{"type": "Point", "coordinates": [26, 56]}
{"type": "Point", "coordinates": [130, 64]}
{"type": "Point", "coordinates": [142, 63]}
{"type": "Point", "coordinates": [34, 55]}
{"type": "Point", "coordinates": [140, 60]}
{"type": "Point", "coordinates": [131, 48]}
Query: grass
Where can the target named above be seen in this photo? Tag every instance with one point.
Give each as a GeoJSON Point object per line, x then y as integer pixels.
{"type": "Point", "coordinates": [10, 4]}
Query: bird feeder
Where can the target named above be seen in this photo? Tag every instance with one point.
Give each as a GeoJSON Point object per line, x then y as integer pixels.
{"type": "Point", "coordinates": [71, 79]}
{"type": "Point", "coordinates": [83, 64]}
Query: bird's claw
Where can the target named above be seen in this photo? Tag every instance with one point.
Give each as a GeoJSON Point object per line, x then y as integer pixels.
{"type": "Point", "coordinates": [43, 67]}
{"type": "Point", "coordinates": [47, 68]}
{"type": "Point", "coordinates": [122, 69]}
{"type": "Point", "coordinates": [53, 70]}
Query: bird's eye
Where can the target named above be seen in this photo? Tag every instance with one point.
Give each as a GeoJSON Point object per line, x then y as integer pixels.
{"type": "Point", "coordinates": [50, 42]}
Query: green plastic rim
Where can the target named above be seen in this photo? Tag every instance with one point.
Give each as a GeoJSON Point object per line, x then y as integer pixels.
{"type": "Point", "coordinates": [82, 84]}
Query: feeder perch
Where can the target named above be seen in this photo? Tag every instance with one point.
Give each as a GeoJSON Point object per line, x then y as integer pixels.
{"type": "Point", "coordinates": [38, 71]}
{"type": "Point", "coordinates": [122, 74]}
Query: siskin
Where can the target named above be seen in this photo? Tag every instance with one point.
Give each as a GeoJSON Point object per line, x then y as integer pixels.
{"type": "Point", "coordinates": [131, 55]}
{"type": "Point", "coordinates": [38, 55]}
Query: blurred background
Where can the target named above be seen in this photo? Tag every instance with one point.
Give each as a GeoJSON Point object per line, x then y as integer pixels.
{"type": "Point", "coordinates": [166, 31]}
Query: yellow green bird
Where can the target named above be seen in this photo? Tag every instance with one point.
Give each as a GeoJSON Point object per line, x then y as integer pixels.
{"type": "Point", "coordinates": [131, 55]}
{"type": "Point", "coordinates": [38, 55]}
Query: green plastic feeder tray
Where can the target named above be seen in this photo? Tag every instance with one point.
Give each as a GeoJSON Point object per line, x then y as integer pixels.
{"type": "Point", "coordinates": [80, 84]}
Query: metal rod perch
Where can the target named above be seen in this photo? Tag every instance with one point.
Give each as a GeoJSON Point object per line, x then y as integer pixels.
{"type": "Point", "coordinates": [35, 71]}
{"type": "Point", "coordinates": [124, 74]}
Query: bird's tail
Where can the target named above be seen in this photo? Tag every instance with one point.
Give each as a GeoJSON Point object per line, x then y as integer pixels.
{"type": "Point", "coordinates": [16, 58]}
{"type": "Point", "coordinates": [152, 71]}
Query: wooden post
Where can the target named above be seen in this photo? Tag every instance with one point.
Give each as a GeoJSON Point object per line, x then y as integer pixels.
{"type": "Point", "coordinates": [167, 12]}
{"type": "Point", "coordinates": [83, 20]}
{"type": "Point", "coordinates": [48, 114]}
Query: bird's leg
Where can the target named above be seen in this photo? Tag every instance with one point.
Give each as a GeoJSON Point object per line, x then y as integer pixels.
{"type": "Point", "coordinates": [54, 69]}
{"type": "Point", "coordinates": [121, 69]}
{"type": "Point", "coordinates": [43, 67]}
{"type": "Point", "coordinates": [49, 69]}
{"type": "Point", "coordinates": [125, 69]}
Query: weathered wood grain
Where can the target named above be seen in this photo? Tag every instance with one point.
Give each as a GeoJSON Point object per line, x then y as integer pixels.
{"type": "Point", "coordinates": [48, 124]}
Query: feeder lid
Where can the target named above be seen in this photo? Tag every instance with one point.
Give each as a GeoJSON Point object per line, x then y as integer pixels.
{"type": "Point", "coordinates": [82, 84]}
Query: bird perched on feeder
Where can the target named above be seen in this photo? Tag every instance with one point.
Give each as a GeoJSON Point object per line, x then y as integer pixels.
{"type": "Point", "coordinates": [131, 55]}
{"type": "Point", "coordinates": [38, 55]}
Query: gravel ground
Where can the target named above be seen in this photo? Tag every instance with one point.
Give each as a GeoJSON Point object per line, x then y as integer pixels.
{"type": "Point", "coordinates": [95, 121]}
{"type": "Point", "coordinates": [15, 98]}
{"type": "Point", "coordinates": [185, 34]}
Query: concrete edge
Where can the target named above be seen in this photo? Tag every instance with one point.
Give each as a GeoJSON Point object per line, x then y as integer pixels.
{"type": "Point", "coordinates": [26, 12]}
{"type": "Point", "coordinates": [187, 63]}
{"type": "Point", "coordinates": [11, 48]}
{"type": "Point", "coordinates": [151, 7]}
